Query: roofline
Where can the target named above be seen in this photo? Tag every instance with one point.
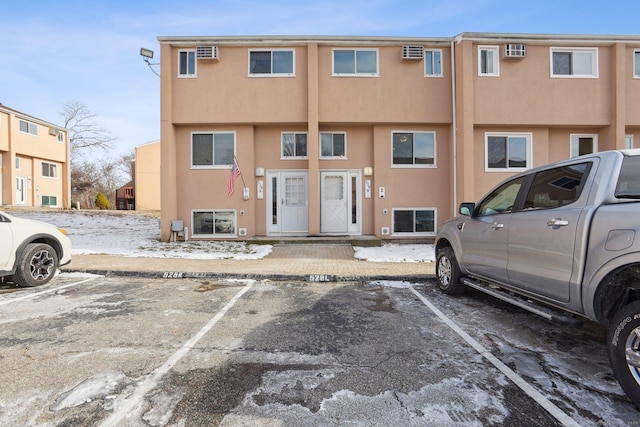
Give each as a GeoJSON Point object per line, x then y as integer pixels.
{"type": "Point", "coordinates": [8, 110]}
{"type": "Point", "coordinates": [547, 38]}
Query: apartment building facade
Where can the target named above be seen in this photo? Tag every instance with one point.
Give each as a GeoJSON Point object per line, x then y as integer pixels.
{"type": "Point", "coordinates": [34, 161]}
{"type": "Point", "coordinates": [376, 136]}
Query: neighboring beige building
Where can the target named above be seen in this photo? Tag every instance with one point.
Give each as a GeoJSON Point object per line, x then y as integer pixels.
{"type": "Point", "coordinates": [34, 161]}
{"type": "Point", "coordinates": [376, 136]}
{"type": "Point", "coordinates": [147, 177]}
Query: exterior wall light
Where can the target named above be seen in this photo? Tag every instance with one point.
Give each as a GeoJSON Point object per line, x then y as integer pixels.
{"type": "Point", "coordinates": [368, 171]}
{"type": "Point", "coordinates": [259, 171]}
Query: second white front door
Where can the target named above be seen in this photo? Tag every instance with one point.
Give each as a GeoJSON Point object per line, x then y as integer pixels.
{"type": "Point", "coordinates": [340, 202]}
{"type": "Point", "coordinates": [288, 203]}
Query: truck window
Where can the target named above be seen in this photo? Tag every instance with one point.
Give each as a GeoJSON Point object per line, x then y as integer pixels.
{"type": "Point", "coordinates": [556, 187]}
{"type": "Point", "coordinates": [628, 186]}
{"type": "Point", "coordinates": [502, 199]}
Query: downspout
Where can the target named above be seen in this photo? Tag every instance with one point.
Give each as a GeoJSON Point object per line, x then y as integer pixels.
{"type": "Point", "coordinates": [455, 128]}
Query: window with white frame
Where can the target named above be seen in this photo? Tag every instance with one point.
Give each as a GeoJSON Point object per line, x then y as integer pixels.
{"type": "Point", "coordinates": [18, 163]}
{"type": "Point", "coordinates": [214, 223]}
{"type": "Point", "coordinates": [271, 62]}
{"type": "Point", "coordinates": [636, 63]}
{"type": "Point", "coordinates": [355, 62]}
{"type": "Point", "coordinates": [60, 136]}
{"type": "Point", "coordinates": [333, 145]}
{"type": "Point", "coordinates": [583, 144]}
{"type": "Point", "coordinates": [488, 60]}
{"type": "Point", "coordinates": [507, 151]}
{"type": "Point", "coordinates": [49, 170]}
{"type": "Point", "coordinates": [49, 201]}
{"type": "Point", "coordinates": [187, 63]}
{"type": "Point", "coordinates": [574, 62]}
{"type": "Point", "coordinates": [414, 221]}
{"type": "Point", "coordinates": [413, 149]}
{"type": "Point", "coordinates": [28, 127]}
{"type": "Point", "coordinates": [212, 150]}
{"type": "Point", "coordinates": [628, 142]}
{"type": "Point", "coordinates": [433, 63]}
{"type": "Point", "coordinates": [294, 145]}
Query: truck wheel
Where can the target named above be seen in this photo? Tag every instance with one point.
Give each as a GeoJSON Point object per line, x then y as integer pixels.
{"type": "Point", "coordinates": [448, 272]}
{"type": "Point", "coordinates": [37, 265]}
{"type": "Point", "coordinates": [623, 342]}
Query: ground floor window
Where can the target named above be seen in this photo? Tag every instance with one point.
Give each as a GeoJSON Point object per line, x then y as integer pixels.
{"type": "Point", "coordinates": [419, 221]}
{"type": "Point", "coordinates": [49, 201]}
{"type": "Point", "coordinates": [214, 223]}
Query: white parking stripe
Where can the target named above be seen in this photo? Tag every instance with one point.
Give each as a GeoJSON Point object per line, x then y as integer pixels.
{"type": "Point", "coordinates": [48, 291]}
{"type": "Point", "coordinates": [132, 405]}
{"type": "Point", "coordinates": [556, 412]}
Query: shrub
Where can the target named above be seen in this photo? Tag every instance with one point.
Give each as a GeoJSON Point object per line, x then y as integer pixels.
{"type": "Point", "coordinates": [102, 202]}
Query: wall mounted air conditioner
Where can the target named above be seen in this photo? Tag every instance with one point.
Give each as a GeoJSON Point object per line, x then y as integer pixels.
{"type": "Point", "coordinates": [515, 50]}
{"type": "Point", "coordinates": [207, 52]}
{"type": "Point", "coordinates": [53, 131]}
{"type": "Point", "coordinates": [412, 53]}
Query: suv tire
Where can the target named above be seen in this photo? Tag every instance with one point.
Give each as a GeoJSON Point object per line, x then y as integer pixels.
{"type": "Point", "coordinates": [37, 265]}
{"type": "Point", "coordinates": [623, 343]}
{"type": "Point", "coordinates": [448, 272]}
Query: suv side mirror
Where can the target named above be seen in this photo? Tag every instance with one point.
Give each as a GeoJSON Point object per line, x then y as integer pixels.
{"type": "Point", "coordinates": [467, 209]}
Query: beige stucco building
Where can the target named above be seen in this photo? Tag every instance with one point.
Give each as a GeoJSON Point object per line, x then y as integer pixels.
{"type": "Point", "coordinates": [376, 136]}
{"type": "Point", "coordinates": [147, 176]}
{"type": "Point", "coordinates": [34, 161]}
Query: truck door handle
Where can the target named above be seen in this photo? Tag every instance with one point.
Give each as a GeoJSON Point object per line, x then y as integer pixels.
{"type": "Point", "coordinates": [497, 225]}
{"type": "Point", "coordinates": [557, 222]}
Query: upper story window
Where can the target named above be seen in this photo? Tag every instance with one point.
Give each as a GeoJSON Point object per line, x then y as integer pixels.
{"type": "Point", "coordinates": [187, 63]}
{"type": "Point", "coordinates": [333, 145]}
{"type": "Point", "coordinates": [60, 136]}
{"type": "Point", "coordinates": [355, 62]}
{"type": "Point", "coordinates": [414, 149]}
{"type": "Point", "coordinates": [28, 127]}
{"type": "Point", "coordinates": [294, 145]}
{"type": "Point", "coordinates": [574, 62]}
{"type": "Point", "coordinates": [18, 163]}
{"type": "Point", "coordinates": [488, 63]}
{"type": "Point", "coordinates": [583, 144]}
{"type": "Point", "coordinates": [271, 63]}
{"type": "Point", "coordinates": [213, 150]}
{"type": "Point", "coordinates": [49, 170]}
{"type": "Point", "coordinates": [508, 152]}
{"type": "Point", "coordinates": [433, 63]}
{"type": "Point", "coordinates": [628, 142]}
{"type": "Point", "coordinates": [636, 64]}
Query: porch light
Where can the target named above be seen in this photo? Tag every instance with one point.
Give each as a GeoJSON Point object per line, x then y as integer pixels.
{"type": "Point", "coordinates": [368, 171]}
{"type": "Point", "coordinates": [259, 171]}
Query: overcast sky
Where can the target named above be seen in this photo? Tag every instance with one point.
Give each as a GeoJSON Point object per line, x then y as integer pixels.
{"type": "Point", "coordinates": [55, 52]}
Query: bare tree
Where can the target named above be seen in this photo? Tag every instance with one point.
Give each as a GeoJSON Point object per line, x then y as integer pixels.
{"type": "Point", "coordinates": [88, 179]}
{"type": "Point", "coordinates": [84, 133]}
{"type": "Point", "coordinates": [126, 164]}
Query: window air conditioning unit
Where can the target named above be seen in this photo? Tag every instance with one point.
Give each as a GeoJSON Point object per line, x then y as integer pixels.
{"type": "Point", "coordinates": [53, 131]}
{"type": "Point", "coordinates": [412, 53]}
{"type": "Point", "coordinates": [515, 50]}
{"type": "Point", "coordinates": [207, 52]}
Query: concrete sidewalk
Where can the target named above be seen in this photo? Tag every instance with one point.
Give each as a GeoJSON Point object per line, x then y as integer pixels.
{"type": "Point", "coordinates": [300, 262]}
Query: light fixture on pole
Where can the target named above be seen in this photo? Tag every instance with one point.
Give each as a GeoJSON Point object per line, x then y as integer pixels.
{"type": "Point", "coordinates": [147, 54]}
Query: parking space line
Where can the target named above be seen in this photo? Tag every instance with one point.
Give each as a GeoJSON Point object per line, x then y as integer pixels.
{"type": "Point", "coordinates": [556, 412]}
{"type": "Point", "coordinates": [48, 291]}
{"type": "Point", "coordinates": [133, 404]}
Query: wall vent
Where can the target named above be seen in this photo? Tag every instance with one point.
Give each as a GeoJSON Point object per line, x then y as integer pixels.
{"type": "Point", "coordinates": [242, 231]}
{"type": "Point", "coordinates": [384, 231]}
{"type": "Point", "coordinates": [515, 50]}
{"type": "Point", "coordinates": [207, 52]}
{"type": "Point", "coordinates": [412, 53]}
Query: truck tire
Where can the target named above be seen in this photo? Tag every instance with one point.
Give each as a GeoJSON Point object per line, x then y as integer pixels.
{"type": "Point", "coordinates": [448, 272]}
{"type": "Point", "coordinates": [623, 343]}
{"type": "Point", "coordinates": [37, 265]}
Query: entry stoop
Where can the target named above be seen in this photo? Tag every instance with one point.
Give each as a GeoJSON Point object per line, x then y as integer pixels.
{"type": "Point", "coordinates": [367, 241]}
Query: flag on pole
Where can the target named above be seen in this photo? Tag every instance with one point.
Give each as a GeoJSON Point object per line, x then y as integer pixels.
{"type": "Point", "coordinates": [235, 172]}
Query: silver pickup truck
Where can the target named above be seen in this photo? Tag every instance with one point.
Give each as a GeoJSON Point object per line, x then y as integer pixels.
{"type": "Point", "coordinates": [562, 241]}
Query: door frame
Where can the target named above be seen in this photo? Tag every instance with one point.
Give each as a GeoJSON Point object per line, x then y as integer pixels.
{"type": "Point", "coordinates": [354, 213]}
{"type": "Point", "coordinates": [279, 176]}
{"type": "Point", "coordinates": [23, 199]}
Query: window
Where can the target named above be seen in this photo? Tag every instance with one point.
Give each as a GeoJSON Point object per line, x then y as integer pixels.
{"type": "Point", "coordinates": [333, 145]}
{"type": "Point", "coordinates": [502, 199]}
{"type": "Point", "coordinates": [574, 62]}
{"type": "Point", "coordinates": [214, 223]}
{"type": "Point", "coordinates": [186, 63]}
{"type": "Point", "coordinates": [433, 63]}
{"type": "Point", "coordinates": [212, 150]}
{"type": "Point", "coordinates": [508, 152]}
{"type": "Point", "coordinates": [556, 187]}
{"type": "Point", "coordinates": [355, 62]}
{"type": "Point", "coordinates": [636, 64]}
{"type": "Point", "coordinates": [628, 142]}
{"type": "Point", "coordinates": [414, 221]}
{"type": "Point", "coordinates": [583, 144]}
{"type": "Point", "coordinates": [49, 201]}
{"type": "Point", "coordinates": [18, 163]}
{"type": "Point", "coordinates": [49, 170]}
{"type": "Point", "coordinates": [629, 178]}
{"type": "Point", "coordinates": [271, 63]}
{"type": "Point", "coordinates": [60, 136]}
{"type": "Point", "coordinates": [414, 148]}
{"type": "Point", "coordinates": [28, 127]}
{"type": "Point", "coordinates": [294, 145]}
{"type": "Point", "coordinates": [488, 64]}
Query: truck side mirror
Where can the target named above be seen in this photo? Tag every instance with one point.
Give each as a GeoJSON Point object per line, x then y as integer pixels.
{"type": "Point", "coordinates": [467, 209]}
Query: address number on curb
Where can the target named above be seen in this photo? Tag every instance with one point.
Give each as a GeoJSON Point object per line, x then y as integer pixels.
{"type": "Point", "coordinates": [321, 278]}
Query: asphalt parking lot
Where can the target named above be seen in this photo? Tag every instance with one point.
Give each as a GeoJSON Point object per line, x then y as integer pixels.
{"type": "Point", "coordinates": [134, 351]}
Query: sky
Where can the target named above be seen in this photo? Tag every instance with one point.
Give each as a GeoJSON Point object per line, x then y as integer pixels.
{"type": "Point", "coordinates": [56, 52]}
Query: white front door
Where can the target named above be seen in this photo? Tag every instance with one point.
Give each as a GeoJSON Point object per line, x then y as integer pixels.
{"type": "Point", "coordinates": [287, 203]}
{"type": "Point", "coordinates": [340, 202]}
{"type": "Point", "coordinates": [21, 191]}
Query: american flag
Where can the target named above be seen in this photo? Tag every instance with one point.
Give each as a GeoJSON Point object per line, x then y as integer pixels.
{"type": "Point", "coordinates": [235, 172]}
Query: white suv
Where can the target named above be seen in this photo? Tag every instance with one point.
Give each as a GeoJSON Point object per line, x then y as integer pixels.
{"type": "Point", "coordinates": [31, 251]}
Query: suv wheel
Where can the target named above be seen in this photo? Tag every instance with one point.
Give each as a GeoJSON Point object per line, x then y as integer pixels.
{"type": "Point", "coordinates": [623, 342]}
{"type": "Point", "coordinates": [37, 266]}
{"type": "Point", "coordinates": [448, 272]}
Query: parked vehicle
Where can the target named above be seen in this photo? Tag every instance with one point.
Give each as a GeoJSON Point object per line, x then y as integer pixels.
{"type": "Point", "coordinates": [31, 251]}
{"type": "Point", "coordinates": [563, 241]}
